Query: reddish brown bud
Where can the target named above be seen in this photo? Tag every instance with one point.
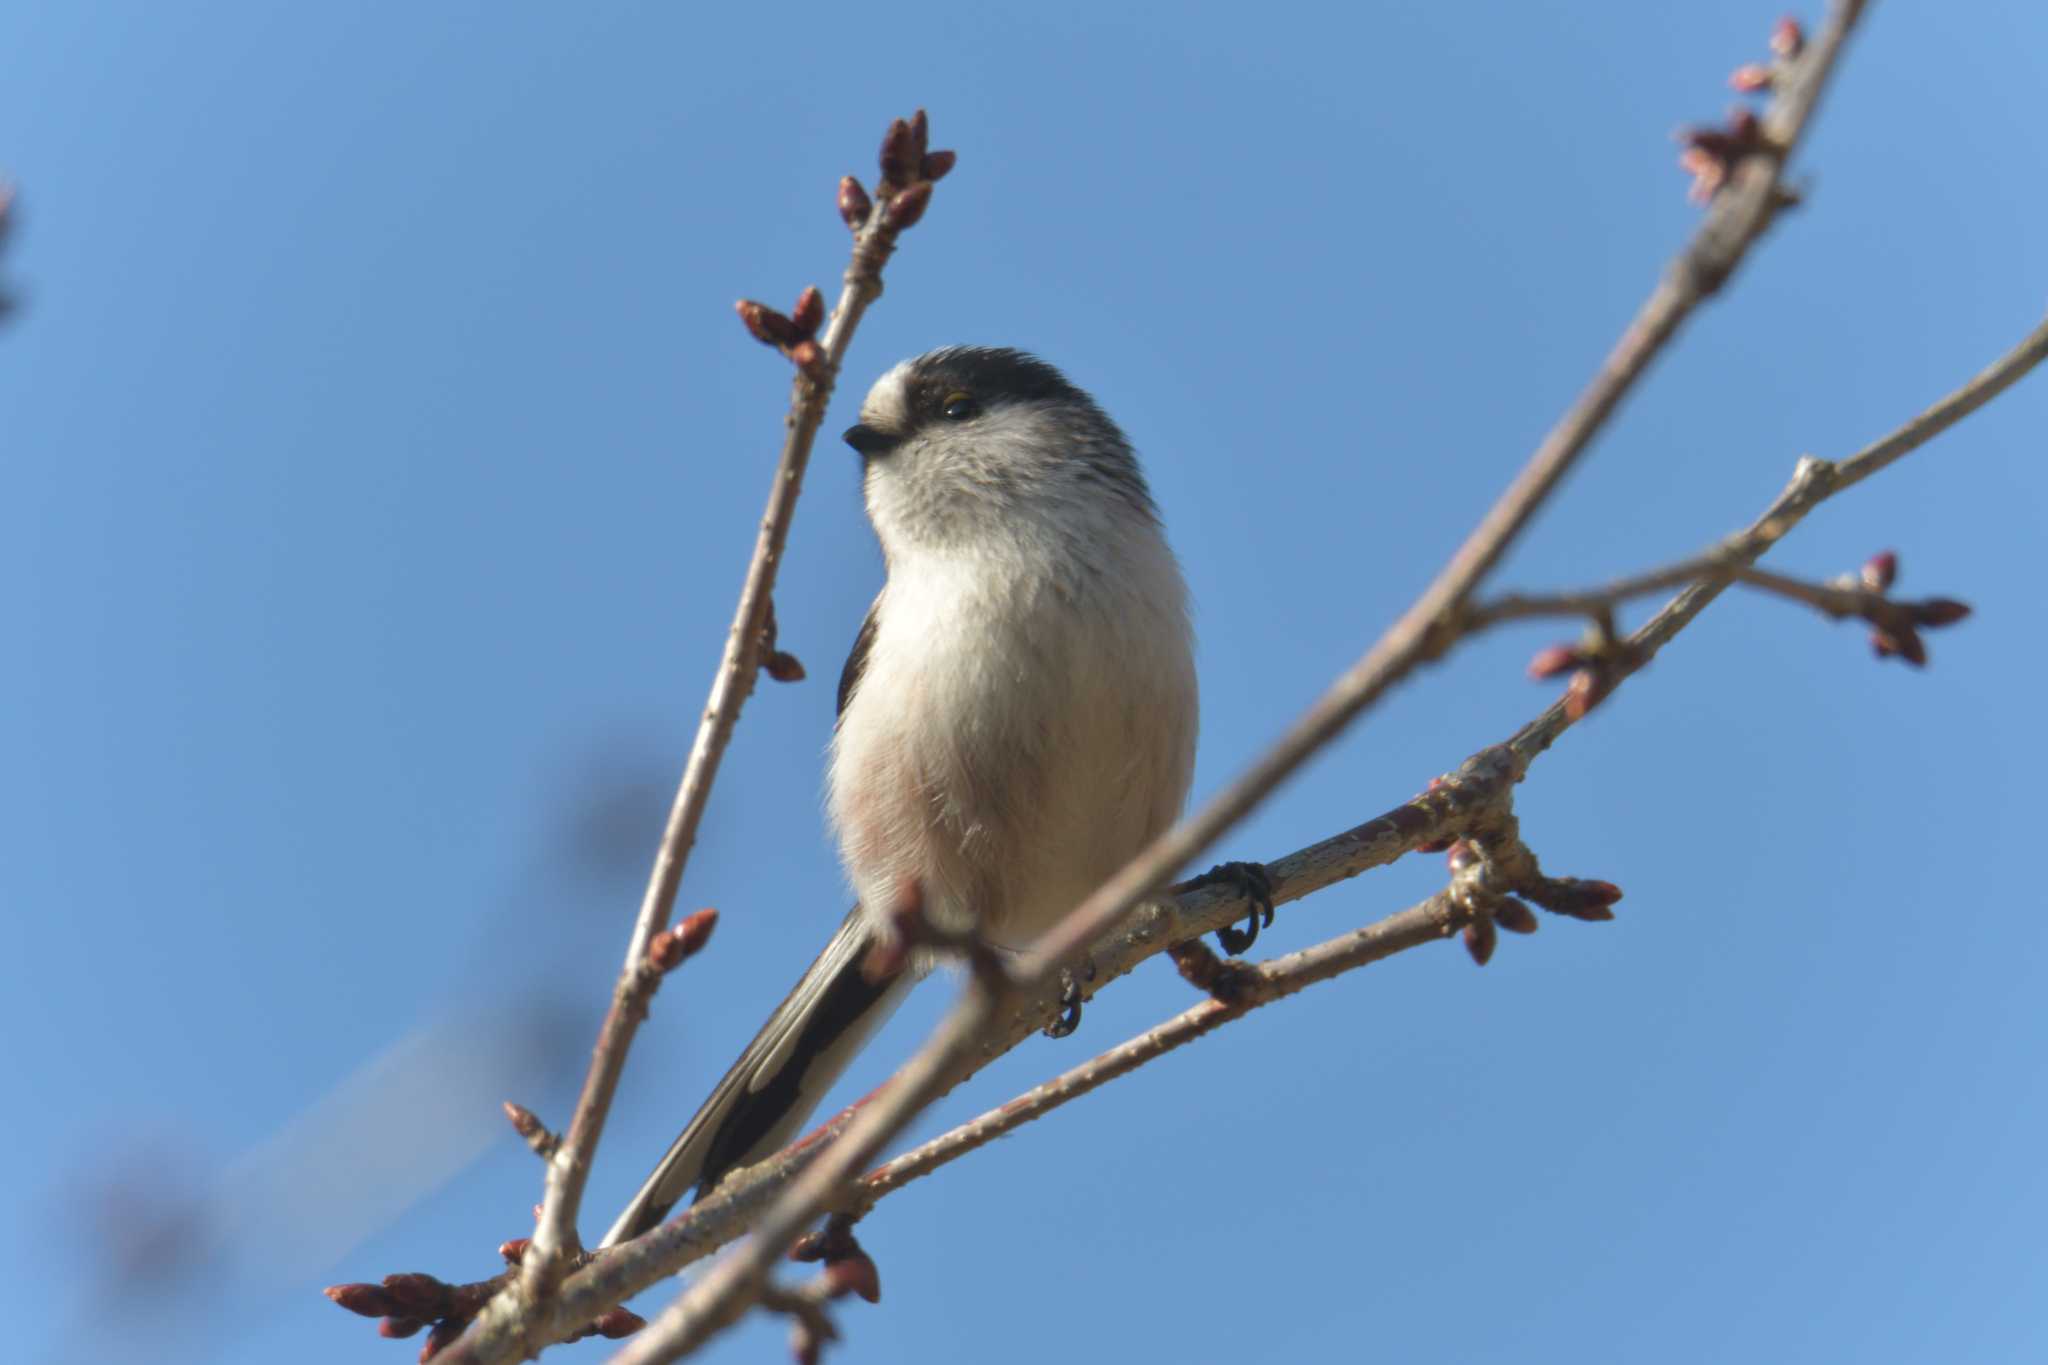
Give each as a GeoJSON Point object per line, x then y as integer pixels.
{"type": "Point", "coordinates": [768, 327]}
{"type": "Point", "coordinates": [415, 1293]}
{"type": "Point", "coordinates": [1553, 660]}
{"type": "Point", "coordinates": [903, 210]}
{"type": "Point", "coordinates": [695, 931]}
{"type": "Point", "coordinates": [1939, 611]}
{"type": "Point", "coordinates": [440, 1339]}
{"type": "Point", "coordinates": [854, 204]}
{"type": "Point", "coordinates": [1515, 917]}
{"type": "Point", "coordinates": [1596, 893]}
{"type": "Point", "coordinates": [1582, 694]}
{"type": "Point", "coordinates": [1480, 940]}
{"type": "Point", "coordinates": [398, 1329]}
{"type": "Point", "coordinates": [897, 158]}
{"type": "Point", "coordinates": [1907, 645]}
{"type": "Point", "coordinates": [619, 1322]}
{"type": "Point", "coordinates": [1788, 39]}
{"type": "Point", "coordinates": [369, 1300]}
{"type": "Point", "coordinates": [1880, 571]}
{"type": "Point", "coordinates": [665, 951]}
{"type": "Point", "coordinates": [920, 134]}
{"type": "Point", "coordinates": [936, 164]}
{"type": "Point", "coordinates": [810, 311]}
{"type": "Point", "coordinates": [812, 1246]}
{"type": "Point", "coordinates": [855, 1274]}
{"type": "Point", "coordinates": [1711, 153]}
{"type": "Point", "coordinates": [1750, 78]}
{"type": "Point", "coordinates": [514, 1251]}
{"type": "Point", "coordinates": [1574, 896]}
{"type": "Point", "coordinates": [783, 668]}
{"type": "Point", "coordinates": [524, 1120]}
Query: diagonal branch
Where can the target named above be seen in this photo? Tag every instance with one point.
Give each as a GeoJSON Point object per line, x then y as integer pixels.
{"type": "Point", "coordinates": [905, 189]}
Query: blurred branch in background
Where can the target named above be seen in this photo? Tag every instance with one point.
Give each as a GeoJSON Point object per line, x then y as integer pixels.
{"type": "Point", "coordinates": [9, 199]}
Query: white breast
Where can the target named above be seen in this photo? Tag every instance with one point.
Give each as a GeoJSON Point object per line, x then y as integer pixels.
{"type": "Point", "coordinates": [1017, 735]}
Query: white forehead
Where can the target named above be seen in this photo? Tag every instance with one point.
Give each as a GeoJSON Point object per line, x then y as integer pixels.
{"type": "Point", "coordinates": [888, 403]}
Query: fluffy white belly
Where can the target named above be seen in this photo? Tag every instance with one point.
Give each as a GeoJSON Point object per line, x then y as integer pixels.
{"type": "Point", "coordinates": [1004, 754]}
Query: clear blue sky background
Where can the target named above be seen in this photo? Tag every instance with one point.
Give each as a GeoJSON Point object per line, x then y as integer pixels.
{"type": "Point", "coordinates": [381, 455]}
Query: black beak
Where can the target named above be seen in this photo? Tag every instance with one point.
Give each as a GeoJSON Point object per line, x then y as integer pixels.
{"type": "Point", "coordinates": [868, 441]}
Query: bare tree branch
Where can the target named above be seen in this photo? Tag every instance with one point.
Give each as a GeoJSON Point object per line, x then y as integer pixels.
{"type": "Point", "coordinates": [908, 172]}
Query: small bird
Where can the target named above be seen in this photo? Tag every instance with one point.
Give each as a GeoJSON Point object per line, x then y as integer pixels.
{"type": "Point", "coordinates": [1016, 721]}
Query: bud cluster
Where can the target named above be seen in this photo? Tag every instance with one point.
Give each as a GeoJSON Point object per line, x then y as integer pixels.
{"type": "Point", "coordinates": [1493, 908]}
{"type": "Point", "coordinates": [1710, 154]}
{"type": "Point", "coordinates": [1896, 625]}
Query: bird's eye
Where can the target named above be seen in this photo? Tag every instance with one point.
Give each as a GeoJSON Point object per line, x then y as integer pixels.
{"type": "Point", "coordinates": [958, 407]}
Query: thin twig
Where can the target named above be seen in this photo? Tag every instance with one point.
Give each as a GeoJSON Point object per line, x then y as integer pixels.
{"type": "Point", "coordinates": [554, 1238]}
{"type": "Point", "coordinates": [1814, 481]}
{"type": "Point", "coordinates": [1835, 600]}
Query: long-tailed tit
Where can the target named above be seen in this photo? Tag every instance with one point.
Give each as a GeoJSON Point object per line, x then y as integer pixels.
{"type": "Point", "coordinates": [1016, 721]}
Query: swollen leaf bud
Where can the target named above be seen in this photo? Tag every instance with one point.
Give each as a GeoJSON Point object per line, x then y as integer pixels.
{"type": "Point", "coordinates": [810, 311]}
{"type": "Point", "coordinates": [1553, 660]}
{"type": "Point", "coordinates": [619, 1322]}
{"type": "Point", "coordinates": [369, 1300]}
{"type": "Point", "coordinates": [767, 326]}
{"type": "Point", "coordinates": [897, 158]}
{"type": "Point", "coordinates": [1515, 917]}
{"type": "Point", "coordinates": [855, 1274]}
{"type": "Point", "coordinates": [854, 204]}
{"type": "Point", "coordinates": [1939, 611]}
{"type": "Point", "coordinates": [695, 931]}
{"type": "Point", "coordinates": [1880, 571]}
{"type": "Point", "coordinates": [1480, 940]}
{"type": "Point", "coordinates": [1750, 78]}
{"type": "Point", "coordinates": [904, 209]}
{"type": "Point", "coordinates": [1788, 39]}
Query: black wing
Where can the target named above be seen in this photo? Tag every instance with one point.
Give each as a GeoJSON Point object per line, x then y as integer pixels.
{"type": "Point", "coordinates": [857, 662]}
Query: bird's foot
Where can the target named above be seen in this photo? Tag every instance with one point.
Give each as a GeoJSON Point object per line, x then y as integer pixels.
{"type": "Point", "coordinates": [1251, 881]}
{"type": "Point", "coordinates": [1070, 999]}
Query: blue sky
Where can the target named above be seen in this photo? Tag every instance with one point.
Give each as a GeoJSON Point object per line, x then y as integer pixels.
{"type": "Point", "coordinates": [382, 456]}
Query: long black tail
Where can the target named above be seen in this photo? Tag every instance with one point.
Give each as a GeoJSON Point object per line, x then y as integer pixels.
{"type": "Point", "coordinates": [762, 1102]}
